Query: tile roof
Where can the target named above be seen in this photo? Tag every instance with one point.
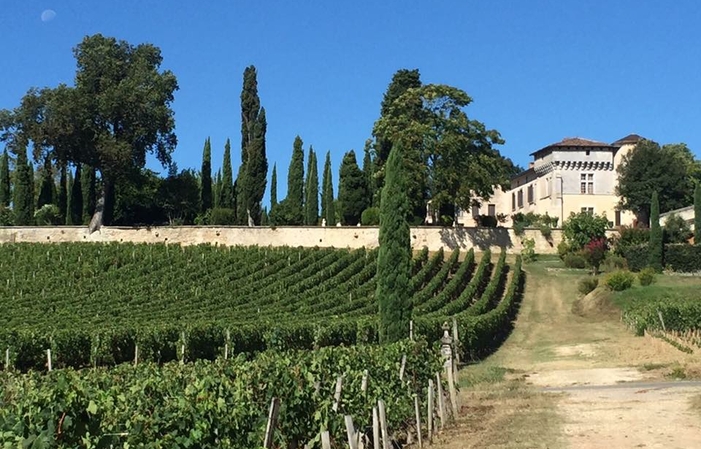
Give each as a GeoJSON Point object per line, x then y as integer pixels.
{"type": "Point", "coordinates": [630, 138]}
{"type": "Point", "coordinates": [569, 142]}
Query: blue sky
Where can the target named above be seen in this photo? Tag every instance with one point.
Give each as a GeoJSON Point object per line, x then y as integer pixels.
{"type": "Point", "coordinates": [538, 71]}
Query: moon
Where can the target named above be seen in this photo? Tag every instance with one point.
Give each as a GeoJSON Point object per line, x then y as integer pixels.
{"type": "Point", "coordinates": [48, 15]}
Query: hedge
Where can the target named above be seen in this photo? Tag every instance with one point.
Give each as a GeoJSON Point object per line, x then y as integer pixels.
{"type": "Point", "coordinates": [679, 257]}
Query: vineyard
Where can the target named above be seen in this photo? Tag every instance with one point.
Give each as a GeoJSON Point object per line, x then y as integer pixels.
{"type": "Point", "coordinates": [185, 346]}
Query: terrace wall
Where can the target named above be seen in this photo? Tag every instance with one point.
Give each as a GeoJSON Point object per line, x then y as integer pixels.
{"type": "Point", "coordinates": [339, 237]}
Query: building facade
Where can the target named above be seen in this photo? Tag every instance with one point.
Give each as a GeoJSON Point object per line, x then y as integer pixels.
{"type": "Point", "coordinates": [573, 175]}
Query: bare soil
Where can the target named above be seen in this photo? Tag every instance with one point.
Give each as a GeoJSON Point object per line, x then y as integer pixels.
{"type": "Point", "coordinates": [571, 380]}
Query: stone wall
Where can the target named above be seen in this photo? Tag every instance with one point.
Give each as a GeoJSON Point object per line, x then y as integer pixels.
{"type": "Point", "coordinates": [339, 237]}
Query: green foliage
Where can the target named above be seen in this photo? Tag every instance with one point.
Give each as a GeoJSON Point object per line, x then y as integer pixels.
{"type": "Point", "coordinates": [370, 216]}
{"type": "Point", "coordinates": [47, 215]}
{"type": "Point", "coordinates": [179, 198]}
{"type": "Point", "coordinates": [614, 262]}
{"type": "Point", "coordinates": [679, 314]}
{"type": "Point", "coordinates": [676, 230]}
{"type": "Point", "coordinates": [636, 256]}
{"type": "Point", "coordinates": [221, 216]}
{"type": "Point", "coordinates": [352, 191]}
{"type": "Point", "coordinates": [206, 201]}
{"type": "Point", "coordinates": [543, 222]}
{"type": "Point", "coordinates": [619, 280]}
{"type": "Point", "coordinates": [655, 246]}
{"type": "Point", "coordinates": [62, 198]}
{"type": "Point", "coordinates": [575, 260]}
{"type": "Point", "coordinates": [5, 190]}
{"type": "Point", "coordinates": [226, 192]}
{"type": "Point", "coordinates": [629, 236]}
{"type": "Point", "coordinates": [273, 188]}
{"type": "Point", "coordinates": [697, 214]}
{"type": "Point", "coordinates": [294, 202]}
{"type": "Point", "coordinates": [587, 284]}
{"type": "Point", "coordinates": [89, 180]}
{"type": "Point", "coordinates": [580, 229]}
{"type": "Point", "coordinates": [484, 221]}
{"type": "Point", "coordinates": [369, 171]}
{"type": "Point", "coordinates": [647, 276]}
{"type": "Point", "coordinates": [328, 206]}
{"type": "Point", "coordinates": [563, 249]}
{"type": "Point", "coordinates": [594, 253]}
{"type": "Point", "coordinates": [528, 252]}
{"type": "Point", "coordinates": [7, 217]}
{"type": "Point", "coordinates": [393, 269]}
{"type": "Point", "coordinates": [311, 191]}
{"type": "Point", "coordinates": [46, 191]}
{"type": "Point", "coordinates": [76, 198]}
{"type": "Point", "coordinates": [683, 258]}
{"type": "Point", "coordinates": [640, 174]}
{"type": "Point", "coordinates": [23, 197]}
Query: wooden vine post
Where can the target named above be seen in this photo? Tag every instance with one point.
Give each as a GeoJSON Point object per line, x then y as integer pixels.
{"type": "Point", "coordinates": [447, 351]}
{"type": "Point", "coordinates": [272, 423]}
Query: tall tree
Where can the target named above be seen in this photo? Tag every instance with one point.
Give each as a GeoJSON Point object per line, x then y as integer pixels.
{"type": "Point", "coordinates": [118, 111]}
{"type": "Point", "coordinates": [368, 171]}
{"type": "Point", "coordinates": [273, 188]}
{"type": "Point", "coordinates": [216, 189]}
{"type": "Point", "coordinates": [32, 189]}
{"type": "Point", "coordinates": [328, 207]}
{"type": "Point", "coordinates": [253, 172]}
{"type": "Point", "coordinates": [69, 199]}
{"type": "Point", "coordinates": [76, 198]}
{"type": "Point", "coordinates": [311, 191]}
{"type": "Point", "coordinates": [5, 189]}
{"type": "Point", "coordinates": [206, 177]}
{"type": "Point", "coordinates": [394, 257]}
{"type": "Point", "coordinates": [640, 174]}
{"type": "Point", "coordinates": [295, 183]}
{"type": "Point", "coordinates": [226, 192]}
{"type": "Point", "coordinates": [89, 188]}
{"type": "Point", "coordinates": [23, 200]}
{"type": "Point", "coordinates": [46, 191]}
{"type": "Point", "coordinates": [352, 191]}
{"type": "Point", "coordinates": [62, 200]}
{"type": "Point", "coordinates": [697, 214]}
{"type": "Point", "coordinates": [655, 247]}
{"type": "Point", "coordinates": [448, 157]}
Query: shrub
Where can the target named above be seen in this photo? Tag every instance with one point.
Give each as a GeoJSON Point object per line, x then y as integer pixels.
{"type": "Point", "coordinates": [587, 285]}
{"type": "Point", "coordinates": [486, 221]}
{"type": "Point", "coordinates": [528, 252]}
{"type": "Point", "coordinates": [370, 216]}
{"type": "Point", "coordinates": [47, 215]}
{"type": "Point", "coordinates": [594, 253]}
{"type": "Point", "coordinates": [676, 230]}
{"type": "Point", "coordinates": [683, 257]}
{"type": "Point", "coordinates": [619, 280]}
{"type": "Point", "coordinates": [636, 257]}
{"type": "Point", "coordinates": [614, 262]}
{"type": "Point", "coordinates": [563, 249]}
{"type": "Point", "coordinates": [575, 260]}
{"type": "Point", "coordinates": [222, 216]}
{"type": "Point", "coordinates": [580, 229]}
{"type": "Point", "coordinates": [646, 276]}
{"type": "Point", "coordinates": [544, 223]}
{"type": "Point", "coordinates": [628, 237]}
{"type": "Point", "coordinates": [7, 218]}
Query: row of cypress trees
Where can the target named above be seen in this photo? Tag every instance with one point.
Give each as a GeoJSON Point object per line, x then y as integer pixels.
{"type": "Point", "coordinates": [71, 201]}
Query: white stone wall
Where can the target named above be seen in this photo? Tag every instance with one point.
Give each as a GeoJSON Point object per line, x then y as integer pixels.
{"type": "Point", "coordinates": [339, 237]}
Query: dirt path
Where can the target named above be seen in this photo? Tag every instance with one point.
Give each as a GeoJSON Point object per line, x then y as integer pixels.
{"type": "Point", "coordinates": [584, 367]}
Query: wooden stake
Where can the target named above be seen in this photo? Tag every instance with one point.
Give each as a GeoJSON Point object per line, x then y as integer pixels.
{"type": "Point", "coordinates": [7, 359]}
{"type": "Point", "coordinates": [350, 431]}
{"type": "Point", "coordinates": [456, 341]}
{"type": "Point", "coordinates": [48, 358]}
{"type": "Point", "coordinates": [451, 389]}
{"type": "Point", "coordinates": [136, 355]}
{"type": "Point", "coordinates": [441, 401]}
{"type": "Point", "coordinates": [337, 394]}
{"type": "Point", "coordinates": [375, 429]}
{"type": "Point", "coordinates": [659, 314]}
{"type": "Point", "coordinates": [418, 421]}
{"type": "Point", "coordinates": [325, 440]}
{"type": "Point", "coordinates": [364, 384]}
{"type": "Point", "coordinates": [272, 423]}
{"type": "Point", "coordinates": [401, 369]}
{"type": "Point", "coordinates": [411, 330]}
{"type": "Point", "coordinates": [429, 429]}
{"type": "Point", "coordinates": [383, 424]}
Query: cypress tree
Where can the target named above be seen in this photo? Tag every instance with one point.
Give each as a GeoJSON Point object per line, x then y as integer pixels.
{"type": "Point", "coordinates": [368, 171]}
{"type": "Point", "coordinates": [253, 172]}
{"type": "Point", "coordinates": [89, 188]}
{"type": "Point", "coordinates": [31, 205]}
{"type": "Point", "coordinates": [76, 198]}
{"type": "Point", "coordinates": [226, 192]}
{"type": "Point", "coordinates": [295, 184]}
{"type": "Point", "coordinates": [46, 191]}
{"type": "Point", "coordinates": [328, 208]}
{"type": "Point", "coordinates": [352, 191]}
{"type": "Point", "coordinates": [311, 191]}
{"type": "Point", "coordinates": [697, 214]}
{"type": "Point", "coordinates": [216, 188]}
{"type": "Point", "coordinates": [69, 201]}
{"type": "Point", "coordinates": [655, 247]}
{"type": "Point", "coordinates": [206, 177]}
{"type": "Point", "coordinates": [394, 256]}
{"type": "Point", "coordinates": [273, 188]}
{"type": "Point", "coordinates": [5, 190]}
{"type": "Point", "coordinates": [22, 203]}
{"type": "Point", "coordinates": [62, 200]}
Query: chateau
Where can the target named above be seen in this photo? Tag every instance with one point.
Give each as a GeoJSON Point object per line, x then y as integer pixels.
{"type": "Point", "coordinates": [573, 175]}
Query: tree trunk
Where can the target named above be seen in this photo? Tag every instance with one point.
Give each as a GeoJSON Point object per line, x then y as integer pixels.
{"type": "Point", "coordinates": [104, 208]}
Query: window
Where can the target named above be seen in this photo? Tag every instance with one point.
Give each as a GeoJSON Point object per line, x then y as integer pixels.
{"type": "Point", "coordinates": [513, 201]}
{"type": "Point", "coordinates": [589, 210]}
{"type": "Point", "coordinates": [530, 194]}
{"type": "Point", "coordinates": [588, 152]}
{"type": "Point", "coordinates": [520, 198]}
{"type": "Point", "coordinates": [475, 211]}
{"type": "Point", "coordinates": [492, 210]}
{"type": "Point", "coordinates": [586, 183]}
